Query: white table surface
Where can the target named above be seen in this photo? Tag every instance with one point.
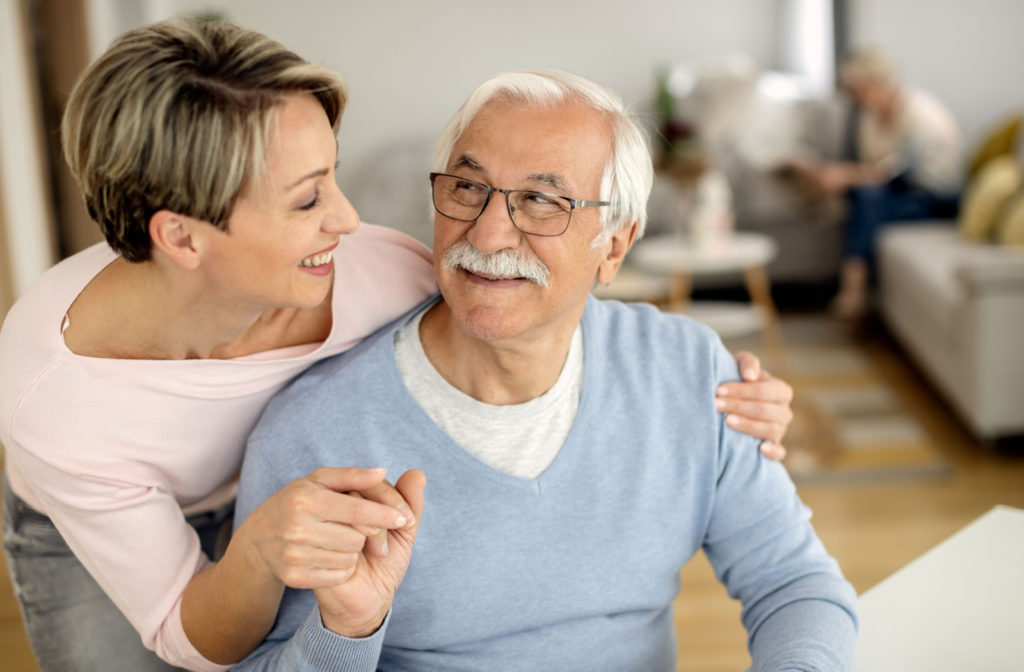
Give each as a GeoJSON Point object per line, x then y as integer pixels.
{"type": "Point", "coordinates": [959, 607]}
{"type": "Point", "coordinates": [675, 254]}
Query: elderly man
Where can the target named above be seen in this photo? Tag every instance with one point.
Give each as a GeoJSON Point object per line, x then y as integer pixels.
{"type": "Point", "coordinates": [575, 456]}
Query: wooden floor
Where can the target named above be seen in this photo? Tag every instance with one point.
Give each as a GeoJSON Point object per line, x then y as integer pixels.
{"type": "Point", "coordinates": [872, 529]}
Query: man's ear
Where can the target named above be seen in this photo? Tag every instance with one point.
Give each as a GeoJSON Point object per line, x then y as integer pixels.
{"type": "Point", "coordinates": [175, 236]}
{"type": "Point", "coordinates": [617, 248]}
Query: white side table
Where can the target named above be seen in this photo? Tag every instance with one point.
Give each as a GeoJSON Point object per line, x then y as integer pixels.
{"type": "Point", "coordinates": [631, 284]}
{"type": "Point", "coordinates": [749, 253]}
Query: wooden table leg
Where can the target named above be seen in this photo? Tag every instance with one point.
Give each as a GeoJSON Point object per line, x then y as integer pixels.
{"type": "Point", "coordinates": [679, 289]}
{"type": "Point", "coordinates": [761, 296]}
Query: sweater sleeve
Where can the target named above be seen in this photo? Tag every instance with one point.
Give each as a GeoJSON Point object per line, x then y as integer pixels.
{"type": "Point", "coordinates": [798, 610]}
{"type": "Point", "coordinates": [314, 648]}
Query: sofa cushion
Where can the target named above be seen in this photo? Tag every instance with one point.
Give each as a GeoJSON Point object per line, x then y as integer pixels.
{"type": "Point", "coordinates": [987, 194]}
{"type": "Point", "coordinates": [1000, 141]}
{"type": "Point", "coordinates": [1010, 229]}
{"type": "Point", "coordinates": [919, 263]}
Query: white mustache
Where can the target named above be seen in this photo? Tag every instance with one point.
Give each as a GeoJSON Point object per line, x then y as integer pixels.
{"type": "Point", "coordinates": [505, 263]}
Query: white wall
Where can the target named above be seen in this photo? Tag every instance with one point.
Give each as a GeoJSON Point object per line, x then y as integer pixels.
{"type": "Point", "coordinates": [968, 52]}
{"type": "Point", "coordinates": [409, 63]}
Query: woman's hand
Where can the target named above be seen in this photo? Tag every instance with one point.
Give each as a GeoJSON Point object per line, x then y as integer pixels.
{"type": "Point", "coordinates": [759, 406]}
{"type": "Point", "coordinates": [313, 531]}
{"type": "Point", "coordinates": [357, 607]}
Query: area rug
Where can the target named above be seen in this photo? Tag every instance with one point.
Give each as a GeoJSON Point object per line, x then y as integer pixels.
{"type": "Point", "coordinates": [850, 424]}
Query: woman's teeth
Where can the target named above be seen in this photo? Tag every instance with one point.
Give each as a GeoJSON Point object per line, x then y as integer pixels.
{"type": "Point", "coordinates": [317, 260]}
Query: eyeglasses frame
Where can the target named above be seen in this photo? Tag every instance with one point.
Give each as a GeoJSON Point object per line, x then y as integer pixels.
{"type": "Point", "coordinates": [573, 203]}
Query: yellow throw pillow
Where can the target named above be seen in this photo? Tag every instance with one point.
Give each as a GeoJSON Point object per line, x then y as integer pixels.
{"type": "Point", "coordinates": [1010, 229]}
{"type": "Point", "coordinates": [1002, 140]}
{"type": "Point", "coordinates": [987, 194]}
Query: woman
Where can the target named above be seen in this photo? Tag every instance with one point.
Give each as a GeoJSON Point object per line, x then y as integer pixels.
{"type": "Point", "coordinates": [906, 165]}
{"type": "Point", "coordinates": [134, 372]}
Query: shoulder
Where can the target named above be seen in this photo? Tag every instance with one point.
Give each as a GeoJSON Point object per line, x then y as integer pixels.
{"type": "Point", "coordinates": [383, 244]}
{"type": "Point", "coordinates": [925, 109]}
{"type": "Point", "coordinates": [644, 353]}
{"type": "Point", "coordinates": [49, 297]}
{"type": "Point", "coordinates": [379, 274]}
{"type": "Point", "coordinates": [31, 342]}
{"type": "Point", "coordinates": [383, 257]}
{"type": "Point", "coordinates": [642, 328]}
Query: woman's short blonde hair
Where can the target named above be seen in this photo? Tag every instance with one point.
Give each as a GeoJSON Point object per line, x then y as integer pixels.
{"type": "Point", "coordinates": [176, 116]}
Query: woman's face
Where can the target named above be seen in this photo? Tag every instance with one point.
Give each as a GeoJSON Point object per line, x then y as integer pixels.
{"type": "Point", "coordinates": [277, 249]}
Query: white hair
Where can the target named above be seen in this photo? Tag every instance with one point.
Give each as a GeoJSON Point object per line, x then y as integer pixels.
{"type": "Point", "coordinates": [628, 175]}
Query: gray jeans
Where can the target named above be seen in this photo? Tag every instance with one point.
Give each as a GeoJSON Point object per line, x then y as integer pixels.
{"type": "Point", "coordinates": [71, 623]}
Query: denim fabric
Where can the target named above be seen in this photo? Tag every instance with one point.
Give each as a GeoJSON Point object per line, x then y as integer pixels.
{"type": "Point", "coordinates": [71, 623]}
{"type": "Point", "coordinates": [872, 207]}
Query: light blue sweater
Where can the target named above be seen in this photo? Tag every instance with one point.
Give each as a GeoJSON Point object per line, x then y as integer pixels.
{"type": "Point", "coordinates": [576, 569]}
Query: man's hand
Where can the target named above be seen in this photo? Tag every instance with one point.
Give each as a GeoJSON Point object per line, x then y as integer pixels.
{"type": "Point", "coordinates": [313, 531]}
{"type": "Point", "coordinates": [358, 606]}
{"type": "Point", "coordinates": [759, 406]}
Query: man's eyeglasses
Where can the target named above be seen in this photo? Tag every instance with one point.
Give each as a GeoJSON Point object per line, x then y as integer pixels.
{"type": "Point", "coordinates": [533, 212]}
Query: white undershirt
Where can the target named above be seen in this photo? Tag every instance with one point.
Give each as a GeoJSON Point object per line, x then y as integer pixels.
{"type": "Point", "coordinates": [519, 439]}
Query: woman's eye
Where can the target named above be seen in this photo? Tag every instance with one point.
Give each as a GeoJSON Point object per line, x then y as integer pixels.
{"type": "Point", "coordinates": [312, 203]}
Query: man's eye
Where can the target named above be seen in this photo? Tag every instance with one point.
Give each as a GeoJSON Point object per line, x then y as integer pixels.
{"type": "Point", "coordinates": [542, 202]}
{"type": "Point", "coordinates": [540, 199]}
{"type": "Point", "coordinates": [467, 186]}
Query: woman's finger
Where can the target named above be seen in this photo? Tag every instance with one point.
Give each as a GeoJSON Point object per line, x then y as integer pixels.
{"type": "Point", "coordinates": [763, 430]}
{"type": "Point", "coordinates": [773, 450]}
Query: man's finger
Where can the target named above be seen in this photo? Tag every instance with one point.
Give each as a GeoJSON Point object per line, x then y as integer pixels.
{"type": "Point", "coordinates": [411, 486]}
{"type": "Point", "coordinates": [388, 495]}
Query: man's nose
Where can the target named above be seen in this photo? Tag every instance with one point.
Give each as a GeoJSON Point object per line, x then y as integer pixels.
{"type": "Point", "coordinates": [494, 229]}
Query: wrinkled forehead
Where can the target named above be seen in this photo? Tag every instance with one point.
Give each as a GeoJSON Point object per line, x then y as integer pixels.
{"type": "Point", "coordinates": [564, 145]}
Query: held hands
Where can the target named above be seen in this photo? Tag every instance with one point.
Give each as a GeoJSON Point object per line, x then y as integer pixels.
{"type": "Point", "coordinates": [314, 531]}
{"type": "Point", "coordinates": [759, 406]}
{"type": "Point", "coordinates": [358, 606]}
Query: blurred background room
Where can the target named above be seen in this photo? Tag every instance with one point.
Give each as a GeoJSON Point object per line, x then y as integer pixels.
{"type": "Point", "coordinates": [909, 423]}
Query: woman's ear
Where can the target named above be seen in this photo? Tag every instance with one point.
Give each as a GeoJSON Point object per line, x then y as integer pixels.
{"type": "Point", "coordinates": [175, 236]}
{"type": "Point", "coordinates": [617, 248]}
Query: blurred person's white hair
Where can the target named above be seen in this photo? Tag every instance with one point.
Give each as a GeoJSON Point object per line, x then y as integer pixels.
{"type": "Point", "coordinates": [629, 173]}
{"type": "Point", "coordinates": [868, 65]}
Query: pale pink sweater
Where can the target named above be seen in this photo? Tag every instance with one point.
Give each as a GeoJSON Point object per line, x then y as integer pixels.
{"type": "Point", "coordinates": [113, 449]}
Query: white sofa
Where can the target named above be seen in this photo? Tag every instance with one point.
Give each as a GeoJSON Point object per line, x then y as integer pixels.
{"type": "Point", "coordinates": [958, 308]}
